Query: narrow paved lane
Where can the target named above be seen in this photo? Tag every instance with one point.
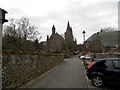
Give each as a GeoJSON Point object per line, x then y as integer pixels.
{"type": "Point", "coordinates": [68, 75]}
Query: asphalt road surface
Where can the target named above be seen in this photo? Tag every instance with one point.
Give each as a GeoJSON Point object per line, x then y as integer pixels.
{"type": "Point", "coordinates": [70, 74]}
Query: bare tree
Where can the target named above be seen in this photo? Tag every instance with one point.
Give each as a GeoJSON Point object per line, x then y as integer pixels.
{"type": "Point", "coordinates": [19, 34]}
{"type": "Point", "coordinates": [8, 31]}
{"type": "Point", "coordinates": [11, 28]}
{"type": "Point", "coordinates": [26, 30]}
{"type": "Point", "coordinates": [22, 28]}
{"type": "Point", "coordinates": [108, 29]}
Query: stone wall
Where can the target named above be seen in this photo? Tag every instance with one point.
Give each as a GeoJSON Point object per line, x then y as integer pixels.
{"type": "Point", "coordinates": [107, 55]}
{"type": "Point", "coordinates": [68, 54]}
{"type": "Point", "coordinates": [19, 68]}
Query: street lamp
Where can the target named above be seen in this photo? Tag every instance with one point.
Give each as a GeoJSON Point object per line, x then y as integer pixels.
{"type": "Point", "coordinates": [84, 42]}
{"type": "Point", "coordinates": [84, 35]}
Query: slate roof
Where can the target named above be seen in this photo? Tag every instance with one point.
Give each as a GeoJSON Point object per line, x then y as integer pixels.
{"type": "Point", "coordinates": [107, 38]}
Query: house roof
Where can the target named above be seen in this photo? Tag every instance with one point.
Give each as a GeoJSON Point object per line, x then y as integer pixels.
{"type": "Point", "coordinates": [107, 38]}
{"type": "Point", "coordinates": [3, 15]}
{"type": "Point", "coordinates": [3, 10]}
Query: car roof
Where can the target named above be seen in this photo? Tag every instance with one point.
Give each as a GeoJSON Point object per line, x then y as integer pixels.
{"type": "Point", "coordinates": [107, 59]}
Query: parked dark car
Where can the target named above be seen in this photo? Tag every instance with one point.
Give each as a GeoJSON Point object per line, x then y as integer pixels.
{"type": "Point", "coordinates": [104, 71]}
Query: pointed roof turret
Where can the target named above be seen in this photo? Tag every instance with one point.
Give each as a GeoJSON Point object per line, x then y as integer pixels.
{"type": "Point", "coordinates": [68, 25]}
{"type": "Point", "coordinates": [53, 29]}
{"type": "Point", "coordinates": [47, 37]}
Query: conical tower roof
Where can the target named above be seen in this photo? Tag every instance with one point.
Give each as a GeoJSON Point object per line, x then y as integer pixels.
{"type": "Point", "coordinates": [53, 29]}
{"type": "Point", "coordinates": [68, 25]}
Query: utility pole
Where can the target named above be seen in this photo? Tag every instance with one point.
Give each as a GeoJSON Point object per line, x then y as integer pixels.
{"type": "Point", "coordinates": [2, 20]}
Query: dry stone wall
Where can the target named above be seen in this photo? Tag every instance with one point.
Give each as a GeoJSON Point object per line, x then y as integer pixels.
{"type": "Point", "coordinates": [19, 68]}
{"type": "Point", "coordinates": [107, 55]}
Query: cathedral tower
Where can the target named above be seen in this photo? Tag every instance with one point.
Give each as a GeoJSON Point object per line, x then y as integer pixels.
{"type": "Point", "coordinates": [69, 38]}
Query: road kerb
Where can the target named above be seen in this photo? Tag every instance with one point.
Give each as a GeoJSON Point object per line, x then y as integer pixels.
{"type": "Point", "coordinates": [88, 81]}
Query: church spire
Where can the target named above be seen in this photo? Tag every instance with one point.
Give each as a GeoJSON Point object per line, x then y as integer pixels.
{"type": "Point", "coordinates": [53, 29]}
{"type": "Point", "coordinates": [68, 25]}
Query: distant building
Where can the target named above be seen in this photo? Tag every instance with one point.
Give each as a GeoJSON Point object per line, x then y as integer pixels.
{"type": "Point", "coordinates": [104, 42]}
{"type": "Point", "coordinates": [56, 43]}
{"type": "Point", "coordinates": [70, 43]}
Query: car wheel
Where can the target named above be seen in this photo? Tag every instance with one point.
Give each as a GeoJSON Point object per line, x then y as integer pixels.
{"type": "Point", "coordinates": [97, 81]}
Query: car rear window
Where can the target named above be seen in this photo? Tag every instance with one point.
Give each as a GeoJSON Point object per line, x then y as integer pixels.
{"type": "Point", "coordinates": [109, 64]}
{"type": "Point", "coordinates": [117, 64]}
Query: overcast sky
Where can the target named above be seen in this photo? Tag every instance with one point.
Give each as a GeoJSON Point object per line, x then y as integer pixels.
{"type": "Point", "coordinates": [88, 15]}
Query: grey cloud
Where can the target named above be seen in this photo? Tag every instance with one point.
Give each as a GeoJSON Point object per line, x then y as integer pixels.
{"type": "Point", "coordinates": [88, 19]}
{"type": "Point", "coordinates": [81, 17]}
{"type": "Point", "coordinates": [13, 12]}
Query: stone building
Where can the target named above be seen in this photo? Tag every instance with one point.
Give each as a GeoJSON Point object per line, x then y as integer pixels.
{"type": "Point", "coordinates": [104, 42]}
{"type": "Point", "coordinates": [70, 43]}
{"type": "Point", "coordinates": [56, 43]}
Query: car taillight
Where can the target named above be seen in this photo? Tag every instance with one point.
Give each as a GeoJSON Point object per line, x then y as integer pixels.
{"type": "Point", "coordinates": [91, 65]}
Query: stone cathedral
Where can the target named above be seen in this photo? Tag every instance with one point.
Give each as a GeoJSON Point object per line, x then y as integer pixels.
{"type": "Point", "coordinates": [57, 43]}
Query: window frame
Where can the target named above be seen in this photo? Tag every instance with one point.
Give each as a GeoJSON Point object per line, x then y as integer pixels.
{"type": "Point", "coordinates": [110, 67]}
{"type": "Point", "coordinates": [115, 65]}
